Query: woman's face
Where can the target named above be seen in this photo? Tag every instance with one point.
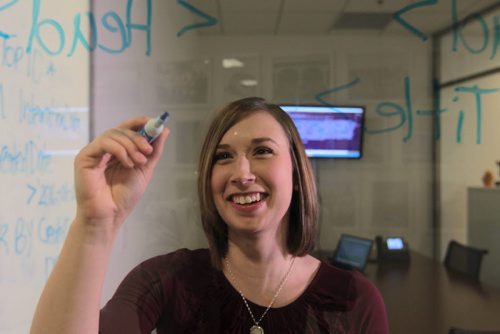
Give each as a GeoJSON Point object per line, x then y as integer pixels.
{"type": "Point", "coordinates": [252, 176]}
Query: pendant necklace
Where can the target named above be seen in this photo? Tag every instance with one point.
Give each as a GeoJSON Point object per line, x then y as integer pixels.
{"type": "Point", "coordinates": [256, 329]}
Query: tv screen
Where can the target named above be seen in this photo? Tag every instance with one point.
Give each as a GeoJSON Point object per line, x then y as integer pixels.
{"type": "Point", "coordinates": [329, 131]}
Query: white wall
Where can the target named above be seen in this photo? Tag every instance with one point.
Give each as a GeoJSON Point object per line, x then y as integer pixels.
{"type": "Point", "coordinates": [463, 156]}
{"type": "Point", "coordinates": [44, 121]}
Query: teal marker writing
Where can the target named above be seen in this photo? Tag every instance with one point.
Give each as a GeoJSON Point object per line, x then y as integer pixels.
{"type": "Point", "coordinates": [154, 127]}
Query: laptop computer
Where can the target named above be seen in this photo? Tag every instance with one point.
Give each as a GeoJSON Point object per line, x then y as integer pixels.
{"type": "Point", "coordinates": [352, 252]}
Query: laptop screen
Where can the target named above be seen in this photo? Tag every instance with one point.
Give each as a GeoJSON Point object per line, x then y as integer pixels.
{"type": "Point", "coordinates": [352, 252]}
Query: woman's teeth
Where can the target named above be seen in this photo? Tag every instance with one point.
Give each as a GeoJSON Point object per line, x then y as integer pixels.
{"type": "Point", "coordinates": [246, 199]}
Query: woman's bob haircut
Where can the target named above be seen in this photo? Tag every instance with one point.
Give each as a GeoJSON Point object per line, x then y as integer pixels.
{"type": "Point", "coordinates": [303, 209]}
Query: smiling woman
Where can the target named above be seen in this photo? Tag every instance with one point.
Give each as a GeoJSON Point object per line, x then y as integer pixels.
{"type": "Point", "coordinates": [254, 119]}
{"type": "Point", "coordinates": [259, 206]}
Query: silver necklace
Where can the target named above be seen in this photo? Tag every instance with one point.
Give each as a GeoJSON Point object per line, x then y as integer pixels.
{"type": "Point", "coordinates": [256, 329]}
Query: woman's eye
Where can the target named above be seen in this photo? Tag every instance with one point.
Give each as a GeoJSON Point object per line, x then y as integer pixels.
{"type": "Point", "coordinates": [220, 156]}
{"type": "Point", "coordinates": [263, 150]}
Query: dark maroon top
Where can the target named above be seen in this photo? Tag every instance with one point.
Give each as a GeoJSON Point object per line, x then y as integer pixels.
{"type": "Point", "coordinates": [181, 292]}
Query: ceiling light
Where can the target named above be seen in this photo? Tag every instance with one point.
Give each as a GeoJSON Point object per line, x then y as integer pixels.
{"type": "Point", "coordinates": [248, 82]}
{"type": "Point", "coordinates": [232, 63]}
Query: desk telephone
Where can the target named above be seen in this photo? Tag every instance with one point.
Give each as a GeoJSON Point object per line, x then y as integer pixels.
{"type": "Point", "coordinates": [392, 249]}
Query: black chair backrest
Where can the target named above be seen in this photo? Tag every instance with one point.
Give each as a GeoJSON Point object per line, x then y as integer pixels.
{"type": "Point", "coordinates": [464, 259]}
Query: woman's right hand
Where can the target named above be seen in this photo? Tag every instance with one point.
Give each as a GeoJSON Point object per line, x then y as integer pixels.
{"type": "Point", "coordinates": [111, 174]}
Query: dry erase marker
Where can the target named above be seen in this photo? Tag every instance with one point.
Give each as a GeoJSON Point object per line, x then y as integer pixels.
{"type": "Point", "coordinates": [154, 127]}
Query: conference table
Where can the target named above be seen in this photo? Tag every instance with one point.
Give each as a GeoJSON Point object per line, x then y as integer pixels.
{"type": "Point", "coordinates": [421, 296]}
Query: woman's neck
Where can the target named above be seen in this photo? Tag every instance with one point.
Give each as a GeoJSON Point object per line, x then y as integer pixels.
{"type": "Point", "coordinates": [257, 268]}
{"type": "Point", "coordinates": [258, 248]}
{"type": "Point", "coordinates": [259, 272]}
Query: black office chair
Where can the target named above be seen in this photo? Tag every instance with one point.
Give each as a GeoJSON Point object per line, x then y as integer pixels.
{"type": "Point", "coordinates": [455, 330]}
{"type": "Point", "coordinates": [464, 259]}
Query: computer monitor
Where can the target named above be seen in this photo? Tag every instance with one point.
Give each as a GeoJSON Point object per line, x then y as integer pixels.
{"type": "Point", "coordinates": [329, 131]}
{"type": "Point", "coordinates": [352, 252]}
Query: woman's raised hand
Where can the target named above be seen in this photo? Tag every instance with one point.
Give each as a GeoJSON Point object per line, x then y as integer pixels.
{"type": "Point", "coordinates": [112, 172]}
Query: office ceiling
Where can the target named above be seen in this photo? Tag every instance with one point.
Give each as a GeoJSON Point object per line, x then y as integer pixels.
{"type": "Point", "coordinates": [327, 17]}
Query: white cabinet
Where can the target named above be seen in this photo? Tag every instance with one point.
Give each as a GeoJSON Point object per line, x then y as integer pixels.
{"type": "Point", "coordinates": [483, 228]}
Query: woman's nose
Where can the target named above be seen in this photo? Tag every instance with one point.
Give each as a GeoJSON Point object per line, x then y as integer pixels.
{"type": "Point", "coordinates": [242, 172]}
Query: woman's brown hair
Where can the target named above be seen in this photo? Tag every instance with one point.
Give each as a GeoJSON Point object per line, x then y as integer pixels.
{"type": "Point", "coordinates": [304, 204]}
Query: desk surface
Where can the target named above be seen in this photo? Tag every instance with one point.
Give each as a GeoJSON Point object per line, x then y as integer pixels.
{"type": "Point", "coordinates": [423, 297]}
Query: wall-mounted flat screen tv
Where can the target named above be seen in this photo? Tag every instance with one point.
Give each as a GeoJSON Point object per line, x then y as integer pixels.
{"type": "Point", "coordinates": [329, 131]}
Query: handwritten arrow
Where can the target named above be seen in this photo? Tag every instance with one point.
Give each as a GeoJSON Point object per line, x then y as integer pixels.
{"type": "Point", "coordinates": [210, 20]}
{"type": "Point", "coordinates": [397, 16]}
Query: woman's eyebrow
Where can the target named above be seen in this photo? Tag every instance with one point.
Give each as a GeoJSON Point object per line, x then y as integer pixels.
{"type": "Point", "coordinates": [223, 147]}
{"type": "Point", "coordinates": [254, 141]}
{"type": "Point", "coordinates": [263, 140]}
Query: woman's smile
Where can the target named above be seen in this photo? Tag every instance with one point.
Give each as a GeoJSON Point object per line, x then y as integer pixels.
{"type": "Point", "coordinates": [249, 202]}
